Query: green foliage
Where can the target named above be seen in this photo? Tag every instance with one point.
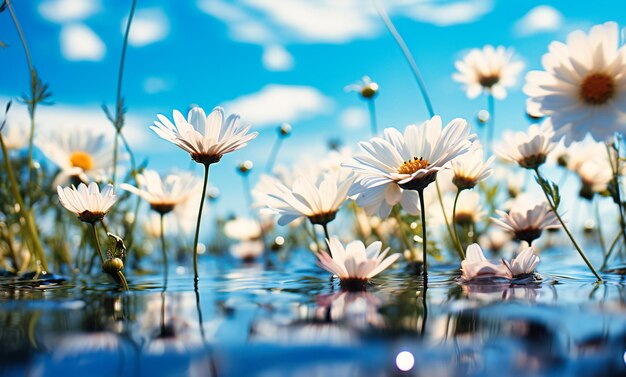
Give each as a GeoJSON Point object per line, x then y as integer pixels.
{"type": "Point", "coordinates": [551, 189]}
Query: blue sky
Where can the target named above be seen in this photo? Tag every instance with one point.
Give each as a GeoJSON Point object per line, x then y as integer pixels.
{"type": "Point", "coordinates": [272, 61]}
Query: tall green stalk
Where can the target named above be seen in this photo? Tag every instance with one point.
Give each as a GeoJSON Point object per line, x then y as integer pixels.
{"type": "Point", "coordinates": [569, 234]}
{"type": "Point", "coordinates": [457, 240]}
{"type": "Point", "coordinates": [119, 103]}
{"type": "Point", "coordinates": [38, 93]}
{"type": "Point", "coordinates": [196, 238]}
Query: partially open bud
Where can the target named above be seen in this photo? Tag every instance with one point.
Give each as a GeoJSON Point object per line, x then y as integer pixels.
{"type": "Point", "coordinates": [483, 116]}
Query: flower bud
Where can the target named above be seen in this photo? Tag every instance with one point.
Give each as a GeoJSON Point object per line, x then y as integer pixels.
{"type": "Point", "coordinates": [113, 266]}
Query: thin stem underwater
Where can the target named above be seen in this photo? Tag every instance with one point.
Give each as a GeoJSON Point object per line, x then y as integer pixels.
{"type": "Point", "coordinates": [569, 234]}
{"type": "Point", "coordinates": [196, 237]}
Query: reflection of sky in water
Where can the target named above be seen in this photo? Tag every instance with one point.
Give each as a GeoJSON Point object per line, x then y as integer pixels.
{"type": "Point", "coordinates": [291, 320]}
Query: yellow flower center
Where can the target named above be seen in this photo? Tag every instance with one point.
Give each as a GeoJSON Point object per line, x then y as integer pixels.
{"type": "Point", "coordinates": [80, 159]}
{"type": "Point", "coordinates": [488, 81]}
{"type": "Point", "coordinates": [411, 166]}
{"type": "Point", "coordinates": [597, 89]}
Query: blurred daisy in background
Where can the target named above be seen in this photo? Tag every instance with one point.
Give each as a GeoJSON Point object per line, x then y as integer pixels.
{"type": "Point", "coordinates": [488, 69]}
{"type": "Point", "coordinates": [583, 85]}
{"type": "Point", "coordinates": [79, 153]}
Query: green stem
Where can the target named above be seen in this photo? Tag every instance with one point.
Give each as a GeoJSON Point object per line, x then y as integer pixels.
{"type": "Point", "coordinates": [196, 238]}
{"type": "Point", "coordinates": [596, 206]}
{"type": "Point", "coordinates": [372, 110]}
{"type": "Point", "coordinates": [122, 278]}
{"type": "Point", "coordinates": [33, 85]}
{"type": "Point", "coordinates": [163, 250]}
{"type": "Point", "coordinates": [457, 241]}
{"type": "Point", "coordinates": [491, 108]}
{"type": "Point", "coordinates": [94, 233]}
{"type": "Point", "coordinates": [618, 190]}
{"type": "Point", "coordinates": [458, 248]}
{"type": "Point", "coordinates": [408, 243]}
{"type": "Point", "coordinates": [607, 256]}
{"type": "Point", "coordinates": [571, 237]}
{"type": "Point", "coordinates": [273, 154]}
{"type": "Point", "coordinates": [407, 55]}
{"type": "Point", "coordinates": [31, 228]}
{"type": "Point", "coordinates": [326, 234]}
{"type": "Point", "coordinates": [119, 106]}
{"type": "Point", "coordinates": [424, 242]}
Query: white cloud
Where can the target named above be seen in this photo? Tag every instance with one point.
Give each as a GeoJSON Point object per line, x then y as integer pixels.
{"type": "Point", "coordinates": [277, 58]}
{"type": "Point", "coordinates": [63, 116]}
{"type": "Point", "coordinates": [354, 117]}
{"type": "Point", "coordinates": [330, 21]}
{"type": "Point", "coordinates": [542, 18]}
{"type": "Point", "coordinates": [459, 12]}
{"type": "Point", "coordinates": [153, 85]}
{"type": "Point", "coordinates": [275, 104]}
{"type": "Point", "coordinates": [68, 10]}
{"type": "Point", "coordinates": [79, 42]}
{"type": "Point", "coordinates": [149, 26]}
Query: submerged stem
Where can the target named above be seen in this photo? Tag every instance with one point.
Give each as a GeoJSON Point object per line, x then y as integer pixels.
{"type": "Point", "coordinates": [457, 241]}
{"type": "Point", "coordinates": [571, 237]}
{"type": "Point", "coordinates": [195, 240]}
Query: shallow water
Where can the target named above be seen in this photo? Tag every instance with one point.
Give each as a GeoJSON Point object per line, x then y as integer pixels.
{"type": "Point", "coordinates": [292, 320]}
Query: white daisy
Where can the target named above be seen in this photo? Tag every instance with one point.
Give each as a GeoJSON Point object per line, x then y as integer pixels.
{"type": "Point", "coordinates": [79, 152]}
{"type": "Point", "coordinates": [164, 194]}
{"type": "Point", "coordinates": [583, 86]}
{"type": "Point", "coordinates": [392, 164]}
{"type": "Point", "coordinates": [317, 200]}
{"type": "Point", "coordinates": [355, 263]}
{"type": "Point", "coordinates": [475, 266]}
{"type": "Point", "coordinates": [579, 152]}
{"type": "Point", "coordinates": [471, 169]}
{"type": "Point", "coordinates": [488, 69]}
{"type": "Point", "coordinates": [88, 203]}
{"type": "Point", "coordinates": [529, 149]}
{"type": "Point", "coordinates": [527, 221]}
{"type": "Point", "coordinates": [205, 138]}
{"type": "Point", "coordinates": [242, 229]}
{"type": "Point", "coordinates": [365, 87]}
{"type": "Point", "coordinates": [247, 251]}
{"type": "Point", "coordinates": [595, 176]}
{"type": "Point", "coordinates": [524, 264]}
{"type": "Point", "coordinates": [15, 137]}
